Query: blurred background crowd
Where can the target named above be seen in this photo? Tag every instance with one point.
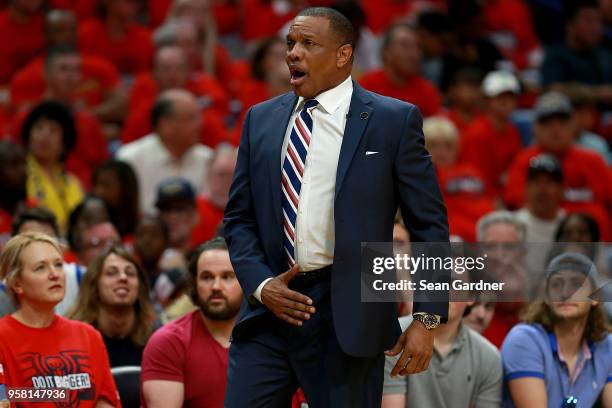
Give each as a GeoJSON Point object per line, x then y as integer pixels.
{"type": "Point", "coordinates": [120, 122]}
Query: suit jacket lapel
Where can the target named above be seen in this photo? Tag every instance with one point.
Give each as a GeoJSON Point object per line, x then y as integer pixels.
{"type": "Point", "coordinates": [360, 112]}
{"type": "Point", "coordinates": [277, 128]}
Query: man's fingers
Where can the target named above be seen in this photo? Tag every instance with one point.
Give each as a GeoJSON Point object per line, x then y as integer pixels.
{"type": "Point", "coordinates": [290, 319]}
{"type": "Point", "coordinates": [296, 314]}
{"type": "Point", "coordinates": [411, 367]}
{"type": "Point", "coordinates": [301, 307]}
{"type": "Point", "coordinates": [298, 297]}
{"type": "Point", "coordinates": [401, 363]}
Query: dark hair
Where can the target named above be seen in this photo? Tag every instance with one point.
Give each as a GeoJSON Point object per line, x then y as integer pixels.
{"type": "Point", "coordinates": [56, 112]}
{"type": "Point", "coordinates": [436, 22]}
{"type": "Point", "coordinates": [38, 214]}
{"type": "Point", "coordinates": [573, 7]}
{"type": "Point", "coordinates": [58, 51]}
{"type": "Point", "coordinates": [390, 32]}
{"type": "Point", "coordinates": [586, 218]}
{"type": "Point", "coordinates": [257, 68]}
{"type": "Point", "coordinates": [74, 235]}
{"type": "Point", "coordinates": [338, 23]}
{"type": "Point", "coordinates": [126, 216]}
{"type": "Point", "coordinates": [462, 12]}
{"type": "Point", "coordinates": [353, 11]}
{"type": "Point", "coordinates": [192, 275]}
{"type": "Point", "coordinates": [162, 108]}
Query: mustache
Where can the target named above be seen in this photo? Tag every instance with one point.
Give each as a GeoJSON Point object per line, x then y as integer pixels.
{"type": "Point", "coordinates": [217, 295]}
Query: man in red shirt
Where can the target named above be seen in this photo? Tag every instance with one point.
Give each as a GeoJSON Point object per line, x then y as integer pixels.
{"type": "Point", "coordinates": [21, 31]}
{"type": "Point", "coordinates": [401, 77]}
{"type": "Point", "coordinates": [492, 141]}
{"type": "Point", "coordinates": [586, 178]}
{"type": "Point", "coordinates": [172, 71]}
{"type": "Point", "coordinates": [99, 87]}
{"type": "Point", "coordinates": [117, 37]}
{"type": "Point", "coordinates": [464, 189]}
{"type": "Point", "coordinates": [464, 98]}
{"type": "Point", "coordinates": [211, 205]}
{"type": "Point", "coordinates": [185, 362]}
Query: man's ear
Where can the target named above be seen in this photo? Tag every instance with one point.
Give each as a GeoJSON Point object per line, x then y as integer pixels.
{"type": "Point", "coordinates": [344, 55]}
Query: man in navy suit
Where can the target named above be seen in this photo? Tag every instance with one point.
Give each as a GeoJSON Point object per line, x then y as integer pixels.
{"type": "Point", "coordinates": [321, 170]}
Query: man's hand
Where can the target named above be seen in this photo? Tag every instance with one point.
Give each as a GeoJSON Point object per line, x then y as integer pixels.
{"type": "Point", "coordinates": [417, 345]}
{"type": "Point", "coordinates": [286, 304]}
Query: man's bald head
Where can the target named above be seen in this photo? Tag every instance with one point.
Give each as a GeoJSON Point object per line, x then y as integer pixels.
{"type": "Point", "coordinates": [177, 119]}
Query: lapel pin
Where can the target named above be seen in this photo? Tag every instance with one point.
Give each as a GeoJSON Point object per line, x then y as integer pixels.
{"type": "Point", "coordinates": [364, 115]}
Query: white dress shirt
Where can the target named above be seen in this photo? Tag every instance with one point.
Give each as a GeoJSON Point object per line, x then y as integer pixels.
{"type": "Point", "coordinates": [153, 163]}
{"type": "Point", "coordinates": [314, 232]}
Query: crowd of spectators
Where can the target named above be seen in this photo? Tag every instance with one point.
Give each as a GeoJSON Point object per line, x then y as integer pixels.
{"type": "Point", "coordinates": [119, 127]}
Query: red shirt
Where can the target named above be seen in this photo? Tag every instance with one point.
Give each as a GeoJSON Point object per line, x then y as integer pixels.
{"type": "Point", "coordinates": [20, 43]}
{"type": "Point", "coordinates": [158, 10]}
{"type": "Point", "coordinates": [262, 20]}
{"type": "Point", "coordinates": [467, 198]}
{"type": "Point", "coordinates": [131, 54]}
{"type": "Point", "coordinates": [184, 351]}
{"type": "Point", "coordinates": [91, 148]}
{"type": "Point", "coordinates": [67, 354]}
{"type": "Point", "coordinates": [381, 13]}
{"type": "Point", "coordinates": [510, 21]}
{"type": "Point", "coordinates": [206, 88]}
{"type": "Point", "coordinates": [490, 150]}
{"type": "Point", "coordinates": [586, 183]}
{"type": "Point", "coordinates": [504, 319]}
{"type": "Point", "coordinates": [416, 90]}
{"type": "Point", "coordinates": [458, 120]}
{"type": "Point", "coordinates": [98, 77]}
{"type": "Point", "coordinates": [210, 218]}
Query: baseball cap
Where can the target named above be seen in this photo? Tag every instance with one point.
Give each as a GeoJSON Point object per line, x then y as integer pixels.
{"type": "Point", "coordinates": [574, 261]}
{"type": "Point", "coordinates": [172, 190]}
{"type": "Point", "coordinates": [499, 82]}
{"type": "Point", "coordinates": [545, 164]}
{"type": "Point", "coordinates": [552, 104]}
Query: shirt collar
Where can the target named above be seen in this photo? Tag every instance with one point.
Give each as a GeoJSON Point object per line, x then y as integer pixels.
{"type": "Point", "coordinates": [587, 346]}
{"type": "Point", "coordinates": [331, 99]}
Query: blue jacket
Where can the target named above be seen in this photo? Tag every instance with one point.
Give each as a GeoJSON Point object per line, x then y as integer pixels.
{"type": "Point", "coordinates": [368, 192]}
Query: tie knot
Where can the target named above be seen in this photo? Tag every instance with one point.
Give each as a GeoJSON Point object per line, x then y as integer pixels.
{"type": "Point", "coordinates": [310, 103]}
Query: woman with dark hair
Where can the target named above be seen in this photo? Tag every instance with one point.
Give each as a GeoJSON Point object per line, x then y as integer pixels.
{"type": "Point", "coordinates": [114, 298]}
{"type": "Point", "coordinates": [578, 227]}
{"type": "Point", "coordinates": [49, 134]}
{"type": "Point", "coordinates": [40, 349]}
{"type": "Point", "coordinates": [115, 182]}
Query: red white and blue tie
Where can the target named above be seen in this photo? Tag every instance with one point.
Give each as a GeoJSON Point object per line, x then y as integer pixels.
{"type": "Point", "coordinates": [292, 173]}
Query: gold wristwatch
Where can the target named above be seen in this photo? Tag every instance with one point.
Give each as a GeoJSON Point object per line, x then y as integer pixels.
{"type": "Point", "coordinates": [429, 320]}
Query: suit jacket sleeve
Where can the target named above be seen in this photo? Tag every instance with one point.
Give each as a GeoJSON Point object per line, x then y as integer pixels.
{"type": "Point", "coordinates": [420, 200]}
{"type": "Point", "coordinates": [240, 224]}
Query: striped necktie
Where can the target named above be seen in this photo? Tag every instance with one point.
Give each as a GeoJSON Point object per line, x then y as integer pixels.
{"type": "Point", "coordinates": [292, 173]}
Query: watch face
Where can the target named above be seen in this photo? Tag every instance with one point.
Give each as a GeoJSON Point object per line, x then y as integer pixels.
{"type": "Point", "coordinates": [430, 321]}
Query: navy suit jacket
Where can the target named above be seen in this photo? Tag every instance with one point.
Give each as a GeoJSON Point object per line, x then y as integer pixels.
{"type": "Point", "coordinates": [368, 192]}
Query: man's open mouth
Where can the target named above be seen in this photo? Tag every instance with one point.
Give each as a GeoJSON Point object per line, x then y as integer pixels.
{"type": "Point", "coordinates": [296, 75]}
